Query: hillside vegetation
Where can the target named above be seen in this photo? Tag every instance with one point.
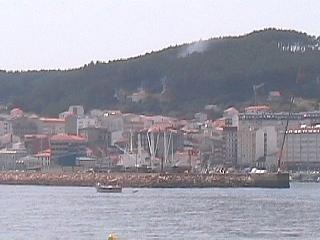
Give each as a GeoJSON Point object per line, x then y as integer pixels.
{"type": "Point", "coordinates": [218, 71]}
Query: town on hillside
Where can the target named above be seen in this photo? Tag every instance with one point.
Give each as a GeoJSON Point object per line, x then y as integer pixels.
{"type": "Point", "coordinates": [109, 140]}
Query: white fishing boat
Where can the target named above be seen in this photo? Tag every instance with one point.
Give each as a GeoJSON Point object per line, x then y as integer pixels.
{"type": "Point", "coordinates": [108, 188]}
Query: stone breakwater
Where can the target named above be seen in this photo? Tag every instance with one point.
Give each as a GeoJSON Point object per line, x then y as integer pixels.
{"type": "Point", "coordinates": [135, 180]}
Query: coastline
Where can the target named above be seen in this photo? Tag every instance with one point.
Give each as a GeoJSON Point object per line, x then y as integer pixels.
{"type": "Point", "coordinates": [144, 180]}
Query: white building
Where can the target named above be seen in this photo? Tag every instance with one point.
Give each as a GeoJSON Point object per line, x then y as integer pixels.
{"type": "Point", "coordinates": [86, 122]}
{"type": "Point", "coordinates": [266, 147]}
{"type": "Point", "coordinates": [77, 110]}
{"type": "Point", "coordinates": [257, 147]}
{"type": "Point", "coordinates": [5, 127]}
{"type": "Point", "coordinates": [113, 121]}
{"type": "Point", "coordinates": [9, 157]}
{"type": "Point", "coordinates": [302, 148]}
{"type": "Point", "coordinates": [255, 120]}
{"type": "Point", "coordinates": [232, 117]}
{"type": "Point", "coordinates": [96, 113]}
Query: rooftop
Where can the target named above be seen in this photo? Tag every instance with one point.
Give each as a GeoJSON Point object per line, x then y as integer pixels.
{"type": "Point", "coordinates": [52, 120]}
{"type": "Point", "coordinates": [67, 138]}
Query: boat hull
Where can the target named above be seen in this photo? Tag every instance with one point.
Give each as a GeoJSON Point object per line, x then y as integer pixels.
{"type": "Point", "coordinates": [109, 189]}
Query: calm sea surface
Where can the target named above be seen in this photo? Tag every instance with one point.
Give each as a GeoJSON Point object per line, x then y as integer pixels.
{"type": "Point", "coordinates": [36, 212]}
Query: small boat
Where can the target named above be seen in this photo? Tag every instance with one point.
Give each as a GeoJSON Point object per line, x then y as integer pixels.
{"type": "Point", "coordinates": [108, 188]}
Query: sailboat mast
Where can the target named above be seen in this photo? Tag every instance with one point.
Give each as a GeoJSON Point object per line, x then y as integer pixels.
{"type": "Point", "coordinates": [285, 132]}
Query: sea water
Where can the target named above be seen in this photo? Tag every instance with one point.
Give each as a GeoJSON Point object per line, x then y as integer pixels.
{"type": "Point", "coordinates": [80, 213]}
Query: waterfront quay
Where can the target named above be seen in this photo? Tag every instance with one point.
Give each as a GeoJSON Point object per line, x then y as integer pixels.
{"type": "Point", "coordinates": [143, 180]}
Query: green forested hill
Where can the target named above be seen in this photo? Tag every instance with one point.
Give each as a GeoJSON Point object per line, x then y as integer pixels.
{"type": "Point", "coordinates": [216, 71]}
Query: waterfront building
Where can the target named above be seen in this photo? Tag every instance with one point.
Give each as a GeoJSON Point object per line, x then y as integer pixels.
{"type": "Point", "coordinates": [86, 162]}
{"type": "Point", "coordinates": [260, 117]}
{"type": "Point", "coordinates": [230, 138]}
{"type": "Point", "coordinates": [302, 148]}
{"type": "Point", "coordinates": [257, 147]}
{"type": "Point", "coordinates": [65, 148]}
{"type": "Point", "coordinates": [30, 163]}
{"type": "Point", "coordinates": [9, 156]}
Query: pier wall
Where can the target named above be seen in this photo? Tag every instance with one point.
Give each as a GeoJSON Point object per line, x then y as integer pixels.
{"type": "Point", "coordinates": [137, 180]}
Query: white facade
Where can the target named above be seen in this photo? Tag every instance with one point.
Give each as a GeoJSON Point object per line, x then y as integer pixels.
{"type": "Point", "coordinates": [233, 115]}
{"type": "Point", "coordinates": [85, 122]}
{"type": "Point", "coordinates": [96, 113]}
{"type": "Point", "coordinates": [266, 145]}
{"type": "Point", "coordinates": [9, 157]}
{"type": "Point", "coordinates": [5, 127]}
{"type": "Point", "coordinates": [255, 144]}
{"type": "Point", "coordinates": [246, 147]}
{"type": "Point", "coordinates": [302, 148]}
{"type": "Point", "coordinates": [77, 110]}
{"type": "Point", "coordinates": [113, 122]}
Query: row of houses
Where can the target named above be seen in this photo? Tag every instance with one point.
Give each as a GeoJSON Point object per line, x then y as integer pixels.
{"type": "Point", "coordinates": [111, 139]}
{"type": "Point", "coordinates": [100, 138]}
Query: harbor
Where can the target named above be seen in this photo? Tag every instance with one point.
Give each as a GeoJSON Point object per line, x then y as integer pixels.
{"type": "Point", "coordinates": [154, 213]}
{"type": "Point", "coordinates": [147, 180]}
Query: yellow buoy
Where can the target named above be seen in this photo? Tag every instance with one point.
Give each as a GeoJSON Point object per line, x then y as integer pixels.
{"type": "Point", "coordinates": [112, 237]}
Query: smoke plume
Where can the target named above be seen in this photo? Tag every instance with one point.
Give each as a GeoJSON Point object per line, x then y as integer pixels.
{"type": "Point", "coordinates": [197, 47]}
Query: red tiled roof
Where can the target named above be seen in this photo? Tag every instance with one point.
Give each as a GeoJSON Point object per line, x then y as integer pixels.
{"type": "Point", "coordinates": [67, 138]}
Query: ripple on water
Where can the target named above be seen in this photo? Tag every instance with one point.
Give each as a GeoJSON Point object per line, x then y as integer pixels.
{"type": "Point", "coordinates": [34, 212]}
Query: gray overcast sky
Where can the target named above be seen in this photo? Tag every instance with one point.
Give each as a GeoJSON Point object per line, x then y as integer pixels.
{"type": "Point", "coordinates": [51, 34]}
